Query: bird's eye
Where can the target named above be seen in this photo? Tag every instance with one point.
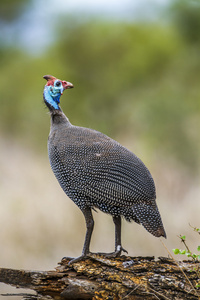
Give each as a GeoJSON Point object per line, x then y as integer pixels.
{"type": "Point", "coordinates": [58, 83]}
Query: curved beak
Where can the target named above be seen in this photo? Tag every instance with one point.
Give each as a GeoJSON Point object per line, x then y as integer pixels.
{"type": "Point", "coordinates": [67, 85]}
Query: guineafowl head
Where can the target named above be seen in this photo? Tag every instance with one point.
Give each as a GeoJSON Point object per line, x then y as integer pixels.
{"type": "Point", "coordinates": [53, 90]}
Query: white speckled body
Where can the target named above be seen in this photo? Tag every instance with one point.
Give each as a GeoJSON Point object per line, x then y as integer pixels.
{"type": "Point", "coordinates": [95, 171]}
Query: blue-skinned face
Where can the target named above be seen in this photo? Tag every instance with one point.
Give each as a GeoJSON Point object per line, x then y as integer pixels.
{"type": "Point", "coordinates": [54, 89]}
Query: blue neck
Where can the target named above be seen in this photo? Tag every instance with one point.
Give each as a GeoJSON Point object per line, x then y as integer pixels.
{"type": "Point", "coordinates": [52, 100]}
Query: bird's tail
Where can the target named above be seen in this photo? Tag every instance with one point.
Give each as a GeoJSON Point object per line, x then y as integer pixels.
{"type": "Point", "coordinates": [150, 218]}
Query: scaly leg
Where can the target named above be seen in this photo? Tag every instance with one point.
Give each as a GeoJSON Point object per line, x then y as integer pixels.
{"type": "Point", "coordinates": [89, 226]}
{"type": "Point", "coordinates": [118, 244]}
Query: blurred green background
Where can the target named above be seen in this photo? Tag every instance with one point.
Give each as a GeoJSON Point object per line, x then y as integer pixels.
{"type": "Point", "coordinates": [135, 66]}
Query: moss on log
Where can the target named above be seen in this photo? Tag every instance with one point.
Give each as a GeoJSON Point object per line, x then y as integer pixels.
{"type": "Point", "coordinates": [110, 278]}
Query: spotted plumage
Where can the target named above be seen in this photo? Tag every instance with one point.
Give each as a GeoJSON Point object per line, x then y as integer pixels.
{"type": "Point", "coordinates": [97, 172]}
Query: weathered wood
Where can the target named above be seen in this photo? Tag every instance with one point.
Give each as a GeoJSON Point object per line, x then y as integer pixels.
{"type": "Point", "coordinates": [102, 278]}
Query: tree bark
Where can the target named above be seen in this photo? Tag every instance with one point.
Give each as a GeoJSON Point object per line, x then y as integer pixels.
{"type": "Point", "coordinates": [120, 278]}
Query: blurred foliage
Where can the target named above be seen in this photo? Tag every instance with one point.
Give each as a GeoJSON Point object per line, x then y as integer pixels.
{"type": "Point", "coordinates": [139, 81]}
{"type": "Point", "coordinates": [107, 63]}
{"type": "Point", "coordinates": [186, 16]}
{"type": "Point", "coordinates": [12, 9]}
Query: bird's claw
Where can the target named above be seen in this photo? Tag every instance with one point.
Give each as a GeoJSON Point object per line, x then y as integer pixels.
{"type": "Point", "coordinates": [116, 253]}
{"type": "Point", "coordinates": [72, 260]}
{"type": "Point", "coordinates": [76, 259]}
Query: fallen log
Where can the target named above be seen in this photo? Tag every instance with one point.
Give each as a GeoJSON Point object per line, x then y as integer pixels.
{"type": "Point", "coordinates": [120, 278]}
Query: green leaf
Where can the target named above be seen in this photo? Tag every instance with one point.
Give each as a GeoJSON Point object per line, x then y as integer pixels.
{"type": "Point", "coordinates": [198, 248]}
{"type": "Point", "coordinates": [183, 237]}
{"type": "Point", "coordinates": [182, 251]}
{"type": "Point", "coordinates": [194, 255]}
{"type": "Point", "coordinates": [188, 254]}
{"type": "Point", "coordinates": [199, 257]}
{"type": "Point", "coordinates": [176, 251]}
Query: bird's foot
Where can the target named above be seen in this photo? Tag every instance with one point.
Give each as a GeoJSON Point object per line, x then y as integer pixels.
{"type": "Point", "coordinates": [116, 253]}
{"type": "Point", "coordinates": [72, 260]}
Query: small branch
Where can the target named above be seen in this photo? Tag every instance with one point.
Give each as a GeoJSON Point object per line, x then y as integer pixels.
{"type": "Point", "coordinates": [178, 264]}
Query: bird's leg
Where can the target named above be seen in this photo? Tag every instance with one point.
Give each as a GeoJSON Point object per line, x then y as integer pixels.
{"type": "Point", "coordinates": [89, 226]}
{"type": "Point", "coordinates": [117, 222]}
{"type": "Point", "coordinates": [118, 243]}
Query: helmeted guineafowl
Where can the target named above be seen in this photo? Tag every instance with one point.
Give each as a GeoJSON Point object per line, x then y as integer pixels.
{"type": "Point", "coordinates": [97, 172]}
